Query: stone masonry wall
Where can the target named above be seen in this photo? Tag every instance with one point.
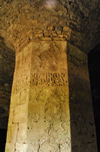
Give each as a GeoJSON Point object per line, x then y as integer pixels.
{"type": "Point", "coordinates": [7, 60]}
{"type": "Point", "coordinates": [83, 136]}
{"type": "Point", "coordinates": [20, 18]}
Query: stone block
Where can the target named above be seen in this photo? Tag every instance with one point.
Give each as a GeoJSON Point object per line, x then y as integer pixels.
{"type": "Point", "coordinates": [22, 133]}
{"type": "Point", "coordinates": [12, 133]}
{"type": "Point", "coordinates": [67, 29]}
{"type": "Point", "coordinates": [75, 52]}
{"type": "Point", "coordinates": [76, 61]}
{"type": "Point", "coordinates": [59, 32]}
{"type": "Point", "coordinates": [35, 131]}
{"type": "Point", "coordinates": [36, 111]}
{"type": "Point", "coordinates": [21, 147]}
{"type": "Point", "coordinates": [33, 147]}
{"type": "Point", "coordinates": [58, 38]}
{"type": "Point", "coordinates": [61, 36]}
{"type": "Point", "coordinates": [65, 148]}
{"type": "Point", "coordinates": [46, 146]}
{"type": "Point", "coordinates": [8, 148]}
{"type": "Point", "coordinates": [24, 96]}
{"type": "Point", "coordinates": [46, 39]}
{"type": "Point", "coordinates": [14, 100]}
{"type": "Point", "coordinates": [20, 113]}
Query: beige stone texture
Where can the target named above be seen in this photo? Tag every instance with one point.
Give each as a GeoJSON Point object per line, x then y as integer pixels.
{"type": "Point", "coordinates": [20, 25]}
{"type": "Point", "coordinates": [21, 147]}
{"type": "Point", "coordinates": [22, 133]}
{"type": "Point", "coordinates": [12, 133]}
{"type": "Point", "coordinates": [40, 104]}
{"type": "Point", "coordinates": [9, 147]}
{"type": "Point", "coordinates": [50, 88]}
{"type": "Point", "coordinates": [20, 113]}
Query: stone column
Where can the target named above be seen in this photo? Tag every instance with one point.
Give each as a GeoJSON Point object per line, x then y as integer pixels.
{"type": "Point", "coordinates": [39, 112]}
{"type": "Point", "coordinates": [49, 77]}
{"type": "Point", "coordinates": [83, 136]}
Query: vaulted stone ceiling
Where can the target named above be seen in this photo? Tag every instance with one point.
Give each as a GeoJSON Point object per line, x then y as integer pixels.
{"type": "Point", "coordinates": [78, 21]}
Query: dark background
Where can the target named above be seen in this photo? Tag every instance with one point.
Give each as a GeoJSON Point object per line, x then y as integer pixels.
{"type": "Point", "coordinates": [94, 71]}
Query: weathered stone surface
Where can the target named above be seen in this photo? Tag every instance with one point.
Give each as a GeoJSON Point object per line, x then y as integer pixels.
{"type": "Point", "coordinates": [22, 133]}
{"type": "Point", "coordinates": [7, 58]}
{"type": "Point", "coordinates": [49, 81]}
{"type": "Point", "coordinates": [43, 117]}
{"type": "Point", "coordinates": [81, 110]}
{"type": "Point", "coordinates": [35, 29]}
{"type": "Point", "coordinates": [22, 20]}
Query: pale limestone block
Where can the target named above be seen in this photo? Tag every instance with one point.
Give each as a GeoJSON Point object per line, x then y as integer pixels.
{"type": "Point", "coordinates": [35, 132]}
{"type": "Point", "coordinates": [33, 147]}
{"type": "Point", "coordinates": [48, 147]}
{"type": "Point", "coordinates": [45, 137]}
{"type": "Point", "coordinates": [40, 94]}
{"type": "Point", "coordinates": [14, 100]}
{"type": "Point", "coordinates": [36, 112]}
{"type": "Point", "coordinates": [20, 84]}
{"type": "Point", "coordinates": [44, 45]}
{"type": "Point", "coordinates": [59, 136]}
{"type": "Point", "coordinates": [23, 96]}
{"type": "Point", "coordinates": [62, 45]}
{"type": "Point", "coordinates": [12, 133]}
{"type": "Point", "coordinates": [11, 115]}
{"type": "Point", "coordinates": [65, 147]}
{"type": "Point", "coordinates": [20, 113]}
{"type": "Point", "coordinates": [35, 45]}
{"type": "Point", "coordinates": [26, 51]}
{"type": "Point", "coordinates": [9, 147]}
{"type": "Point", "coordinates": [56, 124]}
{"type": "Point", "coordinates": [10, 120]}
{"type": "Point", "coordinates": [21, 147]}
{"type": "Point", "coordinates": [22, 133]}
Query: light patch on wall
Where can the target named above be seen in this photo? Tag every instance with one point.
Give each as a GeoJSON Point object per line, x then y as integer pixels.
{"type": "Point", "coordinates": [50, 4]}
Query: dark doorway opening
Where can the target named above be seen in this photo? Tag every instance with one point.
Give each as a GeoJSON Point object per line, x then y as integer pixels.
{"type": "Point", "coordinates": [94, 71]}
